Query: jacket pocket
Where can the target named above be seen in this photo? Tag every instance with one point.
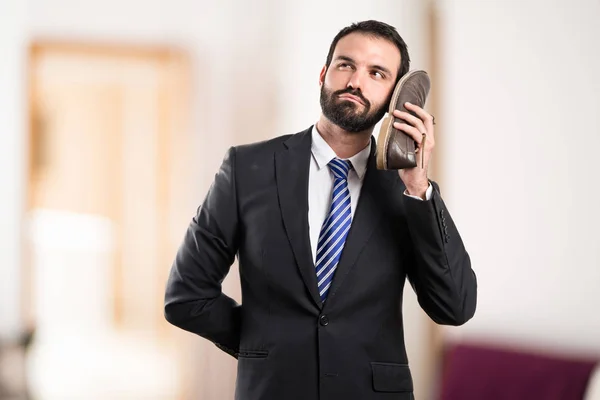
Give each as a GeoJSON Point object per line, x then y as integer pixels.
{"type": "Point", "coordinates": [253, 353]}
{"type": "Point", "coordinates": [388, 377]}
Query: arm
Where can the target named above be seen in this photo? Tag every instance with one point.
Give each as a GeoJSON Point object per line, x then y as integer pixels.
{"type": "Point", "coordinates": [193, 299]}
{"type": "Point", "coordinates": [440, 270]}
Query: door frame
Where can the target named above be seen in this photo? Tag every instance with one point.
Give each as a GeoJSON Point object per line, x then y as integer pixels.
{"type": "Point", "coordinates": [174, 135]}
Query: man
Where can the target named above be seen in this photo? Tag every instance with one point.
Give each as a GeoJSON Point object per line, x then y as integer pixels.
{"type": "Point", "coordinates": [325, 241]}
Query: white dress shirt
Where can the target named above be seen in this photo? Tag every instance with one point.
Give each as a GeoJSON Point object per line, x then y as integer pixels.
{"type": "Point", "coordinates": [320, 183]}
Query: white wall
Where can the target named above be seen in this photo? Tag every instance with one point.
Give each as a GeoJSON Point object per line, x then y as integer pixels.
{"type": "Point", "coordinates": [13, 37]}
{"type": "Point", "coordinates": [522, 132]}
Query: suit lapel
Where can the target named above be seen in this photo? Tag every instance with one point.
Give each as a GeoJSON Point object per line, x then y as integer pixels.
{"type": "Point", "coordinates": [366, 218]}
{"type": "Point", "coordinates": [292, 165]}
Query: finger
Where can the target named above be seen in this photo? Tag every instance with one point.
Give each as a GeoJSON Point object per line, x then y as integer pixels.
{"type": "Point", "coordinates": [411, 119]}
{"type": "Point", "coordinates": [423, 140]}
{"type": "Point", "coordinates": [424, 115]}
{"type": "Point", "coordinates": [423, 143]}
{"type": "Point", "coordinates": [411, 131]}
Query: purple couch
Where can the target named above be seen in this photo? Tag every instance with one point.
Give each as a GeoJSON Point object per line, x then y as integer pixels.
{"type": "Point", "coordinates": [477, 372]}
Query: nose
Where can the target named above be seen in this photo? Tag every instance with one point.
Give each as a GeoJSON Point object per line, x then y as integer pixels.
{"type": "Point", "coordinates": [355, 80]}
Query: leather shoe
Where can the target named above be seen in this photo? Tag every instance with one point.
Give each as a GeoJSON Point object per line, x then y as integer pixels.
{"type": "Point", "coordinates": [395, 149]}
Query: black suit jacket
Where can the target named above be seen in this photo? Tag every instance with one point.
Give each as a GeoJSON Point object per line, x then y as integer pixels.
{"type": "Point", "coordinates": [288, 344]}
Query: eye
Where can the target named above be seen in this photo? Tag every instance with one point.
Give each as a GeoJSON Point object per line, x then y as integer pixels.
{"type": "Point", "coordinates": [378, 74]}
{"type": "Point", "coordinates": [344, 66]}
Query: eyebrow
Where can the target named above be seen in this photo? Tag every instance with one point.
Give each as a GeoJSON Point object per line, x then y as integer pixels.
{"type": "Point", "coordinates": [379, 67]}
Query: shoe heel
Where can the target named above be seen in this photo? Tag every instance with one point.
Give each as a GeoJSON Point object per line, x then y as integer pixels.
{"type": "Point", "coordinates": [382, 141]}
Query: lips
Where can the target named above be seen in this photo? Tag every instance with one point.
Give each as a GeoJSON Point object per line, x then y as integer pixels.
{"type": "Point", "coordinates": [352, 97]}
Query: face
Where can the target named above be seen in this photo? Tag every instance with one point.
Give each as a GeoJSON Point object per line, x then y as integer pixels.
{"type": "Point", "coordinates": [357, 85]}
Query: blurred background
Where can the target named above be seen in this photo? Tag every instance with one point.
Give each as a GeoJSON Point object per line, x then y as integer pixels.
{"type": "Point", "coordinates": [115, 115]}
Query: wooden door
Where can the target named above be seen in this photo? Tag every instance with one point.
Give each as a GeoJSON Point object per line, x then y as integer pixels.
{"type": "Point", "coordinates": [108, 149]}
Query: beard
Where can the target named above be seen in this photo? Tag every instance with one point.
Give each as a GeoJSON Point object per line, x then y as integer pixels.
{"type": "Point", "coordinates": [346, 114]}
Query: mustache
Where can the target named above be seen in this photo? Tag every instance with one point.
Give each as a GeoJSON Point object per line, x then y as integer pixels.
{"type": "Point", "coordinates": [353, 92]}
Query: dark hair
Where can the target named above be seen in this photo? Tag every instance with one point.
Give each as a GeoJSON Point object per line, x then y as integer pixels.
{"type": "Point", "coordinates": [376, 29]}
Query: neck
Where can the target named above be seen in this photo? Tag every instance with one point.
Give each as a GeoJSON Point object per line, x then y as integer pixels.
{"type": "Point", "coordinates": [345, 144]}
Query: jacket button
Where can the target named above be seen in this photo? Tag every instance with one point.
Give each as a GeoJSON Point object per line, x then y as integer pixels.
{"type": "Point", "coordinates": [323, 320]}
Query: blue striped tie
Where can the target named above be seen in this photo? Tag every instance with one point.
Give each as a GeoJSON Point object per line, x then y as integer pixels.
{"type": "Point", "coordinates": [335, 228]}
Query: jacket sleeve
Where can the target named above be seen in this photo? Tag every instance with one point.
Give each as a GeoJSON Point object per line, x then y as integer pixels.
{"type": "Point", "coordinates": [440, 270]}
{"type": "Point", "coordinates": [194, 300]}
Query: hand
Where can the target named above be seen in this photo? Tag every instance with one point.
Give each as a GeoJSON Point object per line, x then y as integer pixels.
{"type": "Point", "coordinates": [415, 179]}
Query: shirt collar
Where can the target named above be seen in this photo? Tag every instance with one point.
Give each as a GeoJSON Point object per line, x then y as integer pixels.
{"type": "Point", "coordinates": [323, 154]}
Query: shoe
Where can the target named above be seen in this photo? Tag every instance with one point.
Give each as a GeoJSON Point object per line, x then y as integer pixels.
{"type": "Point", "coordinates": [395, 149]}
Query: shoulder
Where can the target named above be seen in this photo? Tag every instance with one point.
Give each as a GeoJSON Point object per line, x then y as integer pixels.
{"type": "Point", "coordinates": [262, 147]}
{"type": "Point", "coordinates": [265, 149]}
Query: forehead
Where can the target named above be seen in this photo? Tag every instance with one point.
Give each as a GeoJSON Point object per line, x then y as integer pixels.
{"type": "Point", "coordinates": [368, 49]}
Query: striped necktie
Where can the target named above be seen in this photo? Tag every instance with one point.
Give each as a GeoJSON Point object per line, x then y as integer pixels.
{"type": "Point", "coordinates": [335, 228]}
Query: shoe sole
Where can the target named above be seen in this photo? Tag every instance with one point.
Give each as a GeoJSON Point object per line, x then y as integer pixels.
{"type": "Point", "coordinates": [388, 124]}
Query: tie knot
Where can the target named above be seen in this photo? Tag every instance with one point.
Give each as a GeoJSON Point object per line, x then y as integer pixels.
{"type": "Point", "coordinates": [340, 168]}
